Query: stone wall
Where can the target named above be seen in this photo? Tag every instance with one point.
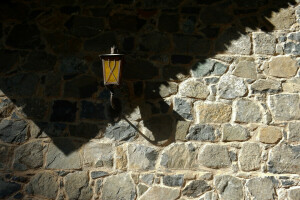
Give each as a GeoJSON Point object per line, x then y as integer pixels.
{"type": "Point", "coordinates": [210, 100]}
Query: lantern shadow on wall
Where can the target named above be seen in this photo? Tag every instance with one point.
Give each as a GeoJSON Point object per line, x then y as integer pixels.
{"type": "Point", "coordinates": [31, 78]}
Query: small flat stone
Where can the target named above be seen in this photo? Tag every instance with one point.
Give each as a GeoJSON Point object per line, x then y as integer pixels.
{"type": "Point", "coordinates": [196, 188]}
{"type": "Point", "coordinates": [284, 107]}
{"type": "Point", "coordinates": [125, 190]}
{"type": "Point", "coordinates": [269, 85]}
{"type": "Point", "coordinates": [261, 188]}
{"type": "Point", "coordinates": [121, 158]}
{"type": "Point", "coordinates": [281, 66]}
{"type": "Point", "coordinates": [98, 174]}
{"type": "Point", "coordinates": [250, 157]}
{"type": "Point", "coordinates": [142, 189]}
{"type": "Point", "coordinates": [269, 134]}
{"type": "Point", "coordinates": [161, 193]}
{"type": "Point", "coordinates": [230, 87]}
{"type": "Point", "coordinates": [194, 89]}
{"type": "Point", "coordinates": [247, 111]}
{"type": "Point", "coordinates": [141, 157]}
{"type": "Point", "coordinates": [213, 112]}
{"type": "Point", "coordinates": [147, 178]}
{"type": "Point", "coordinates": [8, 188]}
{"type": "Point", "coordinates": [77, 186]}
{"type": "Point", "coordinates": [245, 67]}
{"type": "Point", "coordinates": [235, 133]}
{"type": "Point", "coordinates": [214, 156]}
{"type": "Point", "coordinates": [173, 180]}
{"type": "Point", "coordinates": [182, 128]}
{"type": "Point", "coordinates": [183, 107]}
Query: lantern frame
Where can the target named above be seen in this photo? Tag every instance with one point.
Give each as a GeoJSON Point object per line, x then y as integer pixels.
{"type": "Point", "coordinates": [112, 58]}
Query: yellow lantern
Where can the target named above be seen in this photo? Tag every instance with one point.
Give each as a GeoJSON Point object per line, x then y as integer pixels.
{"type": "Point", "coordinates": [112, 66]}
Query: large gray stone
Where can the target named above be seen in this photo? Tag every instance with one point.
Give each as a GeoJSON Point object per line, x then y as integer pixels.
{"type": "Point", "coordinates": [29, 156]}
{"type": "Point", "coordinates": [229, 187]}
{"type": "Point", "coordinates": [8, 188]}
{"type": "Point", "coordinates": [77, 186]}
{"type": "Point", "coordinates": [187, 160]}
{"type": "Point", "coordinates": [284, 107]}
{"type": "Point", "coordinates": [193, 89]}
{"type": "Point", "coordinates": [118, 187]}
{"type": "Point", "coordinates": [63, 154]}
{"type": "Point", "coordinates": [12, 131]}
{"type": "Point", "coordinates": [120, 131]}
{"type": "Point", "coordinates": [201, 132]}
{"type": "Point", "coordinates": [235, 132]}
{"type": "Point", "coordinates": [230, 87]}
{"type": "Point", "coordinates": [44, 184]}
{"type": "Point", "coordinates": [141, 157]}
{"type": "Point", "coordinates": [196, 188]}
{"type": "Point", "coordinates": [173, 180]}
{"type": "Point", "coordinates": [247, 111]}
{"type": "Point", "coordinates": [161, 193]}
{"type": "Point", "coordinates": [183, 108]}
{"type": "Point", "coordinates": [264, 43]}
{"type": "Point", "coordinates": [284, 158]}
{"type": "Point", "coordinates": [214, 156]}
{"type": "Point", "coordinates": [208, 67]}
{"type": "Point", "coordinates": [98, 154]}
{"type": "Point", "coordinates": [261, 188]}
{"type": "Point", "coordinates": [293, 132]}
{"type": "Point", "coordinates": [250, 157]}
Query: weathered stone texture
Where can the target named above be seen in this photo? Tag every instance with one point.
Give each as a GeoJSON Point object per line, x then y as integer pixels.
{"type": "Point", "coordinates": [247, 111]}
{"type": "Point", "coordinates": [161, 193]}
{"type": "Point", "coordinates": [173, 180]}
{"type": "Point", "coordinates": [291, 85]}
{"type": "Point", "coordinates": [183, 107]}
{"type": "Point", "coordinates": [196, 188]}
{"type": "Point", "coordinates": [182, 128]}
{"type": "Point", "coordinates": [285, 107]}
{"type": "Point", "coordinates": [229, 187]}
{"type": "Point", "coordinates": [268, 85]}
{"type": "Point", "coordinates": [125, 189]}
{"type": "Point", "coordinates": [141, 157]}
{"type": "Point", "coordinates": [214, 156]}
{"type": "Point", "coordinates": [193, 89]}
{"type": "Point", "coordinates": [98, 154]}
{"type": "Point", "coordinates": [44, 184]}
{"type": "Point", "coordinates": [235, 133]}
{"type": "Point", "coordinates": [77, 186]}
{"type": "Point", "coordinates": [293, 132]}
{"type": "Point", "coordinates": [12, 131]}
{"type": "Point", "coordinates": [213, 112]}
{"type": "Point", "coordinates": [294, 193]}
{"type": "Point", "coordinates": [284, 158]}
{"type": "Point", "coordinates": [261, 188]}
{"type": "Point", "coordinates": [8, 188]}
{"type": "Point", "coordinates": [250, 157]}
{"type": "Point", "coordinates": [208, 67]}
{"type": "Point", "coordinates": [282, 19]}
{"type": "Point", "coordinates": [245, 67]}
{"type": "Point", "coordinates": [269, 134]}
{"type": "Point", "coordinates": [201, 132]}
{"type": "Point", "coordinates": [231, 87]}
{"type": "Point", "coordinates": [264, 43]}
{"type": "Point", "coordinates": [281, 66]}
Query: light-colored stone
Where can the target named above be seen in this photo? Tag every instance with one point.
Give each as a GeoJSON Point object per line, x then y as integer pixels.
{"type": "Point", "coordinates": [230, 87]}
{"type": "Point", "coordinates": [229, 187]}
{"type": "Point", "coordinates": [284, 158]}
{"type": "Point", "coordinates": [182, 128]}
{"type": "Point", "coordinates": [212, 112]}
{"type": "Point", "coordinates": [234, 132]}
{"type": "Point", "coordinates": [245, 67]}
{"type": "Point", "coordinates": [194, 89]}
{"type": "Point", "coordinates": [196, 188]}
{"type": "Point", "coordinates": [268, 85]}
{"type": "Point", "coordinates": [269, 134]}
{"type": "Point", "coordinates": [63, 153]}
{"type": "Point", "coordinates": [77, 186]}
{"type": "Point", "coordinates": [281, 66]}
{"type": "Point", "coordinates": [247, 111]}
{"type": "Point", "coordinates": [284, 107]}
{"type": "Point", "coordinates": [283, 19]}
{"type": "Point", "coordinates": [186, 160]}
{"type": "Point", "coordinates": [119, 186]}
{"type": "Point", "coordinates": [160, 193]}
{"type": "Point", "coordinates": [291, 85]}
{"type": "Point", "coordinates": [214, 156]}
{"type": "Point", "coordinates": [261, 188]}
{"type": "Point", "coordinates": [141, 157]}
{"type": "Point", "coordinates": [121, 158]}
{"type": "Point", "coordinates": [43, 184]}
{"type": "Point", "coordinates": [167, 90]}
{"type": "Point", "coordinates": [147, 178]}
{"type": "Point", "coordinates": [264, 43]}
{"type": "Point", "coordinates": [294, 193]}
{"type": "Point", "coordinates": [293, 132]}
{"type": "Point", "coordinates": [98, 154]}
{"type": "Point", "coordinates": [29, 156]}
{"type": "Point", "coordinates": [250, 157]}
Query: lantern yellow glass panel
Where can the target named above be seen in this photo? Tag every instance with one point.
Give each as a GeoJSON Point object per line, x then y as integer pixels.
{"type": "Point", "coordinates": [112, 65]}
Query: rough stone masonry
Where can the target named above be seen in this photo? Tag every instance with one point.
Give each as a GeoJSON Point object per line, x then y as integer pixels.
{"type": "Point", "coordinates": [210, 100]}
